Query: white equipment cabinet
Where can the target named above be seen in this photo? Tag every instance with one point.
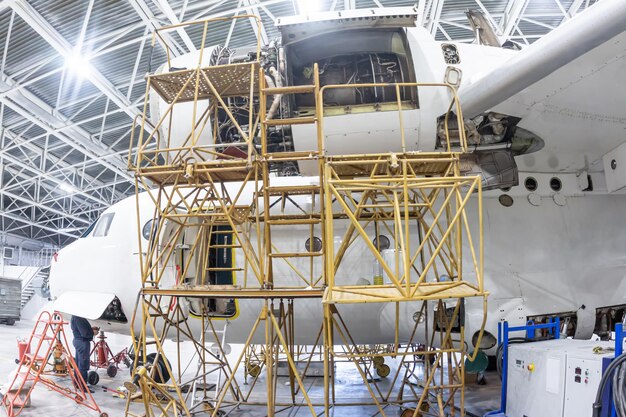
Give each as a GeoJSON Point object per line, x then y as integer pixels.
{"type": "Point", "coordinates": [555, 378]}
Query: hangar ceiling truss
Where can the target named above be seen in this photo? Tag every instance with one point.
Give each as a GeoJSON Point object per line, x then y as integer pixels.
{"type": "Point", "coordinates": [65, 131]}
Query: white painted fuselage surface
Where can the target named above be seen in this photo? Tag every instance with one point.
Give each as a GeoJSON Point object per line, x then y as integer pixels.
{"type": "Point", "coordinates": [550, 252]}
{"type": "Point", "coordinates": [542, 259]}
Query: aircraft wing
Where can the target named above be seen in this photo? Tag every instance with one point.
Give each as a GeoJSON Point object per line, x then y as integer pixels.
{"type": "Point", "coordinates": [90, 305]}
{"type": "Point", "coordinates": [569, 88]}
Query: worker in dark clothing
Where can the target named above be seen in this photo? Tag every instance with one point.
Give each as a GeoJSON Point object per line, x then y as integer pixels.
{"type": "Point", "coordinates": [83, 335]}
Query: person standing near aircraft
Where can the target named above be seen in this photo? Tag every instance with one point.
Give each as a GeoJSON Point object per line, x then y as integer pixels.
{"type": "Point", "coordinates": [83, 335]}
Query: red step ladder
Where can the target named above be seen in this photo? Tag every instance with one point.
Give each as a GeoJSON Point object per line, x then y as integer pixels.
{"type": "Point", "coordinates": [50, 357]}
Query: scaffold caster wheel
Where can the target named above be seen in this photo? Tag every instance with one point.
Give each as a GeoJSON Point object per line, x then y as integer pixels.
{"type": "Point", "coordinates": [383, 370]}
{"type": "Point", "coordinates": [253, 370]}
{"type": "Point", "coordinates": [93, 378]}
{"type": "Point", "coordinates": [409, 412]}
{"type": "Point", "coordinates": [378, 360]}
{"type": "Point", "coordinates": [112, 371]}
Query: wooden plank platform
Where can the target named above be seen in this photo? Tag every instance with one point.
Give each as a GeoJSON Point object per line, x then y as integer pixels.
{"type": "Point", "coordinates": [230, 80]}
{"type": "Point", "coordinates": [385, 293]}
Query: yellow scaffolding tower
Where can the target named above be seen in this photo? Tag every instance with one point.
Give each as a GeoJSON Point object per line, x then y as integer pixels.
{"type": "Point", "coordinates": [210, 196]}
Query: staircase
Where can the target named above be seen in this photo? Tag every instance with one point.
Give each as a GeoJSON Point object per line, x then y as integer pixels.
{"type": "Point", "coordinates": [38, 280]}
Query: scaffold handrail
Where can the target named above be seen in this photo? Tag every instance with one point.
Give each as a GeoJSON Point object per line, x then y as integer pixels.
{"type": "Point", "coordinates": [454, 104]}
{"type": "Point", "coordinates": [205, 22]}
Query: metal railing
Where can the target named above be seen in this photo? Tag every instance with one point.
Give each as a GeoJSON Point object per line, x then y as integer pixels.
{"type": "Point", "coordinates": [42, 257]}
{"type": "Point", "coordinates": [205, 26]}
{"type": "Point", "coordinates": [454, 105]}
{"type": "Point", "coordinates": [154, 150]}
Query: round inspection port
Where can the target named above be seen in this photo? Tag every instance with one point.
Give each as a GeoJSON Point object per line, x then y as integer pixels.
{"type": "Point", "coordinates": [317, 244]}
{"type": "Point", "coordinates": [531, 184]}
{"type": "Point", "coordinates": [555, 184]}
{"type": "Point", "coordinates": [383, 241]}
{"type": "Point", "coordinates": [506, 200]}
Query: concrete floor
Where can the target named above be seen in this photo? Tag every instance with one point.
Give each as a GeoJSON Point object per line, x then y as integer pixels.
{"type": "Point", "coordinates": [349, 387]}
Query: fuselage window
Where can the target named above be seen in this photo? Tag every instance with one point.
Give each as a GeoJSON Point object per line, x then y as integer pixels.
{"type": "Point", "coordinates": [146, 231]}
{"type": "Point", "coordinates": [104, 224]}
{"type": "Point", "coordinates": [89, 229]}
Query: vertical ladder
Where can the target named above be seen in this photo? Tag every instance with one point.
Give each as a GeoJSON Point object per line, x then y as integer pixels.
{"type": "Point", "coordinates": [315, 217]}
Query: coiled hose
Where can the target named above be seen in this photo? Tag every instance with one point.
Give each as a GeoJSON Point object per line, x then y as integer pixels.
{"type": "Point", "coordinates": [617, 371]}
{"type": "Point", "coordinates": [512, 341]}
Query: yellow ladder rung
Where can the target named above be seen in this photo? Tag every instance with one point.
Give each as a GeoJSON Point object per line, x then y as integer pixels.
{"type": "Point", "coordinates": [295, 254]}
{"type": "Point", "coordinates": [294, 221]}
{"type": "Point", "coordinates": [223, 269]}
{"type": "Point", "coordinates": [291, 89]}
{"type": "Point", "coordinates": [306, 189]}
{"type": "Point", "coordinates": [290, 121]}
{"type": "Point", "coordinates": [293, 155]}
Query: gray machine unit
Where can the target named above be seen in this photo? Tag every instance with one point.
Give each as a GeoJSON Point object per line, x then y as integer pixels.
{"type": "Point", "coordinates": [10, 300]}
{"type": "Point", "coordinates": [555, 378]}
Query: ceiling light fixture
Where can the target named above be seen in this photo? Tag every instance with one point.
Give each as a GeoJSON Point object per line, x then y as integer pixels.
{"type": "Point", "coordinates": [77, 64]}
{"type": "Point", "coordinates": [68, 188]}
{"type": "Point", "coordinates": [309, 6]}
{"type": "Point", "coordinates": [69, 229]}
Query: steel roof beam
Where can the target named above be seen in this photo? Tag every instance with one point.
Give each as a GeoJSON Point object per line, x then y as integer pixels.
{"type": "Point", "coordinates": [229, 12]}
{"type": "Point", "coordinates": [574, 7]}
{"type": "Point", "coordinates": [487, 14]}
{"type": "Point", "coordinates": [44, 207]}
{"type": "Point", "coordinates": [436, 8]}
{"type": "Point", "coordinates": [421, 10]}
{"type": "Point", "coordinates": [167, 10]}
{"type": "Point", "coordinates": [33, 109]}
{"type": "Point", "coordinates": [254, 9]}
{"type": "Point", "coordinates": [509, 20]}
{"type": "Point", "coordinates": [26, 194]}
{"type": "Point", "coordinates": [61, 165]}
{"type": "Point", "coordinates": [150, 21]}
{"type": "Point", "coordinates": [86, 148]}
{"type": "Point", "coordinates": [63, 47]}
{"type": "Point", "coordinates": [35, 224]}
{"type": "Point", "coordinates": [45, 175]}
{"type": "Point", "coordinates": [33, 244]}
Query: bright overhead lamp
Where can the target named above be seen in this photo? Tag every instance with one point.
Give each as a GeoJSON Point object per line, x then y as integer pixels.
{"type": "Point", "coordinates": [68, 188]}
{"type": "Point", "coordinates": [310, 6]}
{"type": "Point", "coordinates": [77, 64]}
{"type": "Point", "coordinates": [69, 229]}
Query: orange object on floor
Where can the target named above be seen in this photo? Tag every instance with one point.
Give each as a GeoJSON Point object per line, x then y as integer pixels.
{"type": "Point", "coordinates": [103, 357]}
{"type": "Point", "coordinates": [22, 348]}
{"type": "Point", "coordinates": [51, 356]}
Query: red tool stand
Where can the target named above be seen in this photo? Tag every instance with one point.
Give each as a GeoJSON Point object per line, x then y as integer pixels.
{"type": "Point", "coordinates": [103, 358]}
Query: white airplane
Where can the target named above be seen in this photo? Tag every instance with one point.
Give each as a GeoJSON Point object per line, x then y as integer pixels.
{"type": "Point", "coordinates": [547, 124]}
